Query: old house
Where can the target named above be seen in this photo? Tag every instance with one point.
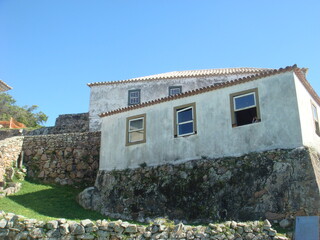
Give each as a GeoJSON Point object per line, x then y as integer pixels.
{"type": "Point", "coordinates": [271, 109]}
{"type": "Point", "coordinates": [223, 144]}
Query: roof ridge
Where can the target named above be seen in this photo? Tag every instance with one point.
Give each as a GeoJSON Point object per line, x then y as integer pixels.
{"type": "Point", "coordinates": [206, 89]}
{"type": "Point", "coordinates": [187, 74]}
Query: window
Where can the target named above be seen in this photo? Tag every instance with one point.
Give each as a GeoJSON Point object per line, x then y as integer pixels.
{"type": "Point", "coordinates": [245, 108]}
{"type": "Point", "coordinates": [315, 119]}
{"type": "Point", "coordinates": [134, 97]}
{"type": "Point", "coordinates": [173, 90]}
{"type": "Point", "coordinates": [136, 129]}
{"type": "Point", "coordinates": [184, 120]}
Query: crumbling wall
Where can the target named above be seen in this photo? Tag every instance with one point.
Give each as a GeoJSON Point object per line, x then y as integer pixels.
{"type": "Point", "coordinates": [70, 123]}
{"type": "Point", "coordinates": [10, 150]}
{"type": "Point", "coordinates": [65, 123]}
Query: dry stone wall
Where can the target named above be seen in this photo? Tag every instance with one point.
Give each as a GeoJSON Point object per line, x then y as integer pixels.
{"type": "Point", "coordinates": [71, 123]}
{"type": "Point", "coordinates": [278, 184]}
{"type": "Point", "coordinates": [66, 123]}
{"type": "Point", "coordinates": [10, 150]}
{"type": "Point", "coordinates": [63, 158]}
{"type": "Point", "coordinates": [10, 133]}
{"type": "Point", "coordinates": [18, 227]}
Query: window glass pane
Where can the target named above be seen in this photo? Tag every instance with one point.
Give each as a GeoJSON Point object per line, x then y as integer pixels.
{"type": "Point", "coordinates": [185, 128]}
{"type": "Point", "coordinates": [315, 114]}
{"type": "Point", "coordinates": [136, 136]}
{"type": "Point", "coordinates": [136, 124]}
{"type": "Point", "coordinates": [134, 100]}
{"type": "Point", "coordinates": [244, 101]}
{"type": "Point", "coordinates": [134, 94]}
{"type": "Point", "coordinates": [185, 115]}
{"type": "Point", "coordinates": [174, 91]}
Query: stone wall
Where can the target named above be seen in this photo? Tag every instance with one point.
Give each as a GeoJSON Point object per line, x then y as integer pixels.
{"type": "Point", "coordinates": [70, 123]}
{"type": "Point", "coordinates": [278, 184]}
{"type": "Point", "coordinates": [66, 123]}
{"type": "Point", "coordinates": [10, 150]}
{"type": "Point", "coordinates": [63, 158]}
{"type": "Point", "coordinates": [10, 133]}
{"type": "Point", "coordinates": [18, 227]}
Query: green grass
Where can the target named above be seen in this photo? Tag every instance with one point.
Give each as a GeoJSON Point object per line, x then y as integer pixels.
{"type": "Point", "coordinates": [47, 202]}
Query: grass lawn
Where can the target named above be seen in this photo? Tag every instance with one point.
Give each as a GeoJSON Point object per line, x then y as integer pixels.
{"type": "Point", "coordinates": [47, 202]}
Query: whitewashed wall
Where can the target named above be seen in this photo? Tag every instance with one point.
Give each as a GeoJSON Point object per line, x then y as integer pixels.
{"type": "Point", "coordinates": [105, 98]}
{"type": "Point", "coordinates": [309, 136]}
{"type": "Point", "coordinates": [279, 128]}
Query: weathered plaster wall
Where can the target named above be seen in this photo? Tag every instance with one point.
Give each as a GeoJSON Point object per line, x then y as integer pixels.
{"type": "Point", "coordinates": [110, 97]}
{"type": "Point", "coordinates": [279, 127]}
{"type": "Point", "coordinates": [63, 158]}
{"type": "Point", "coordinates": [274, 184]}
{"type": "Point", "coordinates": [304, 99]}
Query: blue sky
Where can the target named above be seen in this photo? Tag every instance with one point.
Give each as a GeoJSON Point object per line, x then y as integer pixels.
{"type": "Point", "coordinates": [50, 50]}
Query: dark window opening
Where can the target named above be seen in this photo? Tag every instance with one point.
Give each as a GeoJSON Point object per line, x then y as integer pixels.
{"type": "Point", "coordinates": [315, 119]}
{"type": "Point", "coordinates": [246, 116]}
{"type": "Point", "coordinates": [245, 107]}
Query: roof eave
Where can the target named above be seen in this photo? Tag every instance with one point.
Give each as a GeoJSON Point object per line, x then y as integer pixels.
{"type": "Point", "coordinates": [4, 86]}
{"type": "Point", "coordinates": [218, 72]}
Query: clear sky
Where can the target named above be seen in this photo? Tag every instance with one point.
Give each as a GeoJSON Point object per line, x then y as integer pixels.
{"type": "Point", "coordinates": [50, 50]}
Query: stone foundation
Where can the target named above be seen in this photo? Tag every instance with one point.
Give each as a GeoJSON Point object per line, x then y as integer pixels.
{"type": "Point", "coordinates": [275, 184]}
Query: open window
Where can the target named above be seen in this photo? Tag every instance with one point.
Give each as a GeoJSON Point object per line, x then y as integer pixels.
{"type": "Point", "coordinates": [136, 129]}
{"type": "Point", "coordinates": [245, 108]}
{"type": "Point", "coordinates": [134, 96]}
{"type": "Point", "coordinates": [185, 120]}
{"type": "Point", "coordinates": [315, 119]}
{"type": "Point", "coordinates": [173, 90]}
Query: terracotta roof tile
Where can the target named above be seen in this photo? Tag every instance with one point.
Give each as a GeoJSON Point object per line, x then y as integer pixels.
{"type": "Point", "coordinates": [300, 72]}
{"type": "Point", "coordinates": [187, 74]}
{"type": "Point", "coordinates": [4, 87]}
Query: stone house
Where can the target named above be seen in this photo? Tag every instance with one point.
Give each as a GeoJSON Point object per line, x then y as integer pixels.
{"type": "Point", "coordinates": [216, 113]}
{"type": "Point", "coordinates": [4, 87]}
